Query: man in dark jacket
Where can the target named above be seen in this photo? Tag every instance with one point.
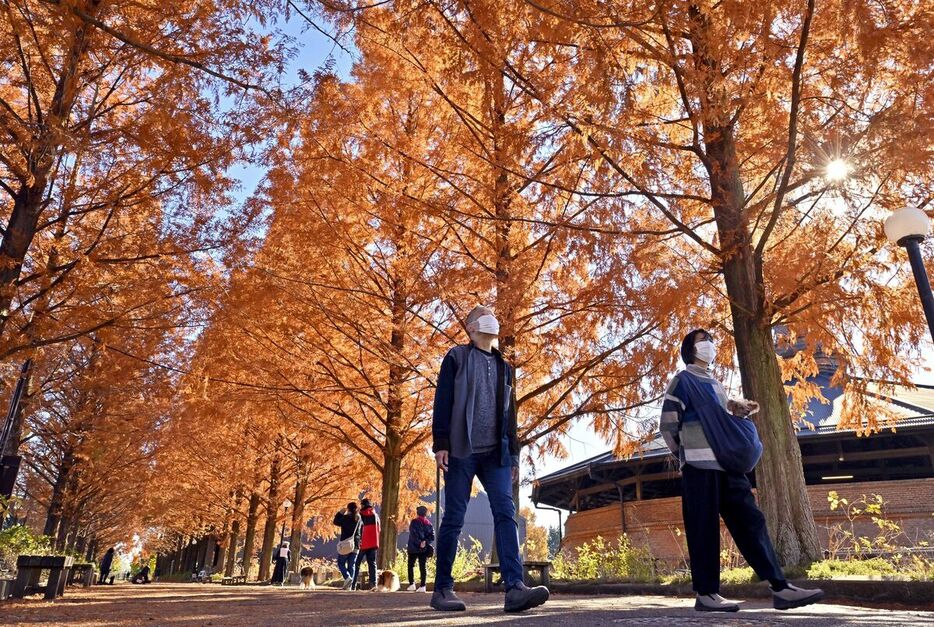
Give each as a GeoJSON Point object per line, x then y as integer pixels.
{"type": "Point", "coordinates": [369, 542]}
{"type": "Point", "coordinates": [474, 430]}
{"type": "Point", "coordinates": [421, 534]}
{"type": "Point", "coordinates": [349, 542]}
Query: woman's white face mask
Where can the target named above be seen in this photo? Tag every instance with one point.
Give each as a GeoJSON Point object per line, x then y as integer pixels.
{"type": "Point", "coordinates": [705, 351]}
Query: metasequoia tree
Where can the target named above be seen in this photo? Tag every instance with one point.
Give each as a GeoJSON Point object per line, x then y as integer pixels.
{"type": "Point", "coordinates": [97, 121]}
{"type": "Point", "coordinates": [739, 110]}
{"type": "Point", "coordinates": [235, 451]}
{"type": "Point", "coordinates": [550, 261]}
{"type": "Point", "coordinates": [712, 126]}
{"type": "Point", "coordinates": [92, 437]}
{"type": "Point", "coordinates": [350, 260]}
{"type": "Point", "coordinates": [115, 141]}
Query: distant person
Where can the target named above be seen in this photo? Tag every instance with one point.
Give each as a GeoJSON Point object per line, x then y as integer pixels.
{"type": "Point", "coordinates": [696, 418]}
{"type": "Point", "coordinates": [142, 576]}
{"type": "Point", "coordinates": [348, 544]}
{"type": "Point", "coordinates": [282, 564]}
{"type": "Point", "coordinates": [369, 543]}
{"type": "Point", "coordinates": [474, 431]}
{"type": "Point", "coordinates": [105, 565]}
{"type": "Point", "coordinates": [421, 535]}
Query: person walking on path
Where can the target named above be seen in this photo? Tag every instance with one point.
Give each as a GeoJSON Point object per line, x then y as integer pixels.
{"type": "Point", "coordinates": [474, 433]}
{"type": "Point", "coordinates": [282, 564]}
{"type": "Point", "coordinates": [348, 544]}
{"type": "Point", "coordinates": [697, 421]}
{"type": "Point", "coordinates": [105, 565]}
{"type": "Point", "coordinates": [369, 543]}
{"type": "Point", "coordinates": [421, 535]}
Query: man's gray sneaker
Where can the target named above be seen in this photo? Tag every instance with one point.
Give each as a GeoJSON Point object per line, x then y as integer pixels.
{"type": "Point", "coordinates": [521, 597]}
{"type": "Point", "coordinates": [447, 601]}
{"type": "Point", "coordinates": [792, 597]}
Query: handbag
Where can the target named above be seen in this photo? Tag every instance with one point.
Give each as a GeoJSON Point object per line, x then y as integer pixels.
{"type": "Point", "coordinates": [345, 547]}
{"type": "Point", "coordinates": [735, 441]}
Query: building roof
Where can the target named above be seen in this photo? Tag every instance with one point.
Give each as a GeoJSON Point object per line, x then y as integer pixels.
{"type": "Point", "coordinates": [915, 408]}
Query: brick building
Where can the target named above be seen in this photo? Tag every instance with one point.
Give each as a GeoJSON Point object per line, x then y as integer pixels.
{"type": "Point", "coordinates": [640, 495]}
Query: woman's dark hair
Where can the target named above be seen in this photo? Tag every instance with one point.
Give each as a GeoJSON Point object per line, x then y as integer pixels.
{"type": "Point", "coordinates": [352, 506]}
{"type": "Point", "coordinates": [687, 346]}
{"type": "Point", "coordinates": [421, 510]}
{"type": "Point", "coordinates": [364, 503]}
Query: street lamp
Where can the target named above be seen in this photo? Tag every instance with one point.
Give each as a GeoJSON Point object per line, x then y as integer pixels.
{"type": "Point", "coordinates": [908, 227]}
{"type": "Point", "coordinates": [287, 505]}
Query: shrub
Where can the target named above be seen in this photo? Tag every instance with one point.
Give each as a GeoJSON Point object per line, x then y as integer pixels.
{"type": "Point", "coordinates": [20, 540]}
{"type": "Point", "coordinates": [602, 560]}
{"type": "Point", "coordinates": [828, 569]}
{"type": "Point", "coordinates": [738, 575]}
{"type": "Point", "coordinates": [844, 540]}
{"type": "Point", "coordinates": [467, 565]}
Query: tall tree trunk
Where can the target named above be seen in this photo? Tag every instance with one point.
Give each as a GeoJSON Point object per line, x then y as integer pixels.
{"type": "Point", "coordinates": [780, 475]}
{"type": "Point", "coordinates": [177, 555]}
{"type": "Point", "coordinates": [72, 537]}
{"type": "Point", "coordinates": [389, 510]}
{"type": "Point", "coordinates": [272, 512]}
{"type": "Point", "coordinates": [392, 449]}
{"type": "Point", "coordinates": [222, 543]}
{"type": "Point", "coordinates": [232, 542]}
{"type": "Point", "coordinates": [64, 528]}
{"type": "Point", "coordinates": [250, 533]}
{"type": "Point", "coordinates": [507, 295]}
{"type": "Point", "coordinates": [54, 516]}
{"type": "Point", "coordinates": [298, 522]}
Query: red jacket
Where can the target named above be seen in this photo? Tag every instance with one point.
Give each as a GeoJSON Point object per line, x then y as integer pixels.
{"type": "Point", "coordinates": [369, 539]}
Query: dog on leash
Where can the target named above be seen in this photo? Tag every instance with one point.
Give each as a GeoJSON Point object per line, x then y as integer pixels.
{"type": "Point", "coordinates": [308, 578]}
{"type": "Point", "coordinates": [388, 582]}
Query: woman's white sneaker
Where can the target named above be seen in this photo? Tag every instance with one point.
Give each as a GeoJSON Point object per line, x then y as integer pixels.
{"type": "Point", "coordinates": [792, 596]}
{"type": "Point", "coordinates": [422, 589]}
{"type": "Point", "coordinates": [411, 588]}
{"type": "Point", "coordinates": [714, 603]}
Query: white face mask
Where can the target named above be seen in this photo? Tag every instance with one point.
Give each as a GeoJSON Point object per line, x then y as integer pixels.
{"type": "Point", "coordinates": [488, 324]}
{"type": "Point", "coordinates": [705, 351]}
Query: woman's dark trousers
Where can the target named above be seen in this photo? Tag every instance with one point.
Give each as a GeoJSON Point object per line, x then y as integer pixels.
{"type": "Point", "coordinates": [708, 495]}
{"type": "Point", "coordinates": [421, 557]}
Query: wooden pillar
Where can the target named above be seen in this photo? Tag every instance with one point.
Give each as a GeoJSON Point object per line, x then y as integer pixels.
{"type": "Point", "coordinates": [622, 509]}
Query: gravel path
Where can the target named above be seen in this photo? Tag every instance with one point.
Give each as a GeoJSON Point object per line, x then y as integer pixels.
{"type": "Point", "coordinates": [195, 604]}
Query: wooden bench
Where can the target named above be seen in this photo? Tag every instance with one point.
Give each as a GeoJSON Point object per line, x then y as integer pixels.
{"type": "Point", "coordinates": [236, 580]}
{"type": "Point", "coordinates": [85, 574]}
{"type": "Point", "coordinates": [543, 569]}
{"type": "Point", "coordinates": [30, 567]}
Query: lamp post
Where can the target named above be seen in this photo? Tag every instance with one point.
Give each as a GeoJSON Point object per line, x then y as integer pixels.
{"type": "Point", "coordinates": [908, 227]}
{"type": "Point", "coordinates": [287, 505]}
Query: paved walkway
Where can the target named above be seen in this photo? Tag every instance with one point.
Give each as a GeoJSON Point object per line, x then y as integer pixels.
{"type": "Point", "coordinates": [196, 604]}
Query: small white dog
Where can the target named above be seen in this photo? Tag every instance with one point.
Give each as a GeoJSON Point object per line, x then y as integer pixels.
{"type": "Point", "coordinates": [388, 582]}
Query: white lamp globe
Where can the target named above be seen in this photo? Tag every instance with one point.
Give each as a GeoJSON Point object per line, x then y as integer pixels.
{"type": "Point", "coordinates": [907, 222]}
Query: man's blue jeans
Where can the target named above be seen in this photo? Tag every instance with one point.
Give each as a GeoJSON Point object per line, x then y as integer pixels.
{"type": "Point", "coordinates": [346, 564]}
{"type": "Point", "coordinates": [497, 482]}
